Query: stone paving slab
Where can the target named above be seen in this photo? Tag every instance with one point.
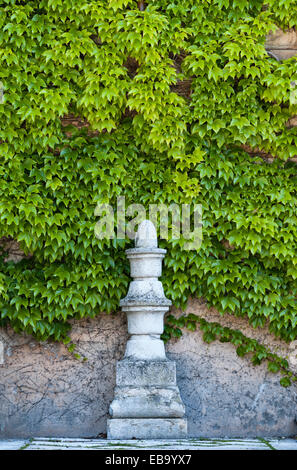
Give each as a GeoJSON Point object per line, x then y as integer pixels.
{"type": "Point", "coordinates": [174, 444]}
{"type": "Point", "coordinates": [13, 444]}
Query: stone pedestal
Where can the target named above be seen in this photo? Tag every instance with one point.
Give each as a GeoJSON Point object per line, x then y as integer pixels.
{"type": "Point", "coordinates": [147, 403]}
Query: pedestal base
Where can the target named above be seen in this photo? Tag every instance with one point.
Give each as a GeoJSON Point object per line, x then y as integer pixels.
{"type": "Point", "coordinates": [147, 428]}
{"type": "Point", "coordinates": [147, 402]}
{"type": "Point", "coordinates": [146, 389]}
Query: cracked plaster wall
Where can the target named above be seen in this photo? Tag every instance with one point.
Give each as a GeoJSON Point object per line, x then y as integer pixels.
{"type": "Point", "coordinates": [46, 392]}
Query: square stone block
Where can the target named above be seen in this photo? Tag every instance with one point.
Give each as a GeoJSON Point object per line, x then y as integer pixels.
{"type": "Point", "coordinates": [148, 428]}
{"type": "Point", "coordinates": [147, 402]}
{"type": "Point", "coordinates": [146, 373]}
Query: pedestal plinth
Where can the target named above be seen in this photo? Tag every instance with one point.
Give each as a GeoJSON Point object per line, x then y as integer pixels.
{"type": "Point", "coordinates": [147, 403]}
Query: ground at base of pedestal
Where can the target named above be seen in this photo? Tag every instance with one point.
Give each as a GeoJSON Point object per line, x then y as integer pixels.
{"type": "Point", "coordinates": [59, 443]}
{"type": "Point", "coordinates": [145, 373]}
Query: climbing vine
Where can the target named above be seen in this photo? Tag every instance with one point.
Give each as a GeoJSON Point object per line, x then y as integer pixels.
{"type": "Point", "coordinates": [244, 346]}
{"type": "Point", "coordinates": [174, 102]}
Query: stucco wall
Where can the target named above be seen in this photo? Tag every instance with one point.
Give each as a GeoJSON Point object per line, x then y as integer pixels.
{"type": "Point", "coordinates": [282, 44]}
{"type": "Point", "coordinates": [46, 392]}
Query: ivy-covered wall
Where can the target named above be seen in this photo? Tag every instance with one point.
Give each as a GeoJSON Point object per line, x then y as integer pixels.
{"type": "Point", "coordinates": [175, 102]}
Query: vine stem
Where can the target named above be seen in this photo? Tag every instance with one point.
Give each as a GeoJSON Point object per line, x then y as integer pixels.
{"type": "Point", "coordinates": [141, 6]}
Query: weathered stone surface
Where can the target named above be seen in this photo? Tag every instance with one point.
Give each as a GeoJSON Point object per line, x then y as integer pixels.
{"type": "Point", "coordinates": [292, 122]}
{"type": "Point", "coordinates": [145, 306]}
{"type": "Point", "coordinates": [292, 357]}
{"type": "Point", "coordinates": [142, 373]}
{"type": "Point", "coordinates": [228, 396]}
{"type": "Point", "coordinates": [146, 236]}
{"type": "Point", "coordinates": [145, 348]}
{"type": "Point", "coordinates": [282, 45]}
{"type": "Point", "coordinates": [145, 303]}
{"type": "Point", "coordinates": [283, 54]}
{"type": "Point", "coordinates": [14, 252]}
{"type": "Point", "coordinates": [152, 444]}
{"type": "Point", "coordinates": [146, 320]}
{"type": "Point", "coordinates": [163, 428]}
{"type": "Point", "coordinates": [145, 263]}
{"type": "Point", "coordinates": [13, 444]}
{"type": "Point", "coordinates": [145, 291]}
{"type": "Point", "coordinates": [282, 40]}
{"type": "Point", "coordinates": [147, 402]}
{"type": "Point", "coordinates": [44, 391]}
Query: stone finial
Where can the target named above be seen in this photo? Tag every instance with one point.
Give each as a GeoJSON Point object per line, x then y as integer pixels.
{"type": "Point", "coordinates": [146, 236]}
